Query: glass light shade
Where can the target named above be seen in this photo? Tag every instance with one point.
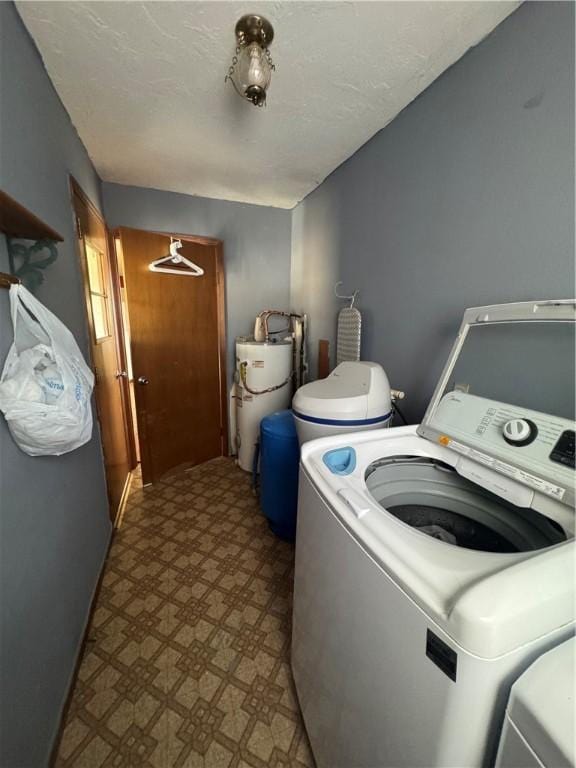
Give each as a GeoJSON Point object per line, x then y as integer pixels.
{"type": "Point", "coordinates": [253, 73]}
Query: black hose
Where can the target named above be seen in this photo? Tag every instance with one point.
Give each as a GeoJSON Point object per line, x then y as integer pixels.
{"type": "Point", "coordinates": [255, 478]}
{"type": "Point", "coordinates": [399, 412]}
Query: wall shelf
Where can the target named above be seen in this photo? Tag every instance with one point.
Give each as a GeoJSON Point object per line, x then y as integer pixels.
{"type": "Point", "coordinates": [27, 262]}
{"type": "Point", "coordinates": [18, 222]}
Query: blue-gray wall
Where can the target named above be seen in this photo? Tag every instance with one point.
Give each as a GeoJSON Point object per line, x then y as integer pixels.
{"type": "Point", "coordinates": [54, 524]}
{"type": "Point", "coordinates": [256, 244]}
{"type": "Point", "coordinates": [466, 198]}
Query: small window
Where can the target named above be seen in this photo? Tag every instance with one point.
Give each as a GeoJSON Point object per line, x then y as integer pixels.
{"type": "Point", "coordinates": [98, 295]}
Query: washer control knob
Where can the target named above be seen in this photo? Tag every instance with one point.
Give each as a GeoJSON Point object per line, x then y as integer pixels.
{"type": "Point", "coordinates": [519, 432]}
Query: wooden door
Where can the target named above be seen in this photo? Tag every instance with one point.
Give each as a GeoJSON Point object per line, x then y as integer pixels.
{"type": "Point", "coordinates": [106, 347]}
{"type": "Point", "coordinates": [177, 349]}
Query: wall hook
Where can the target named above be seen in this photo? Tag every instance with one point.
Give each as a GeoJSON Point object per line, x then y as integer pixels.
{"type": "Point", "coordinates": [351, 299]}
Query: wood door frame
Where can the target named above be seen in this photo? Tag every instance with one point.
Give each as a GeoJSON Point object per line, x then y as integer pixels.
{"type": "Point", "coordinates": [77, 191]}
{"type": "Point", "coordinates": [122, 348]}
{"type": "Point", "coordinates": [218, 246]}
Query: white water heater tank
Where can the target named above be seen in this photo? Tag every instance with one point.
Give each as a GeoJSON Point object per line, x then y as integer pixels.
{"type": "Point", "coordinates": [263, 386]}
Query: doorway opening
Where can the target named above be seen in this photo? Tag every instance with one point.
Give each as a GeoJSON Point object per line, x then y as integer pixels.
{"type": "Point", "coordinates": [173, 325]}
{"type": "Point", "coordinates": [123, 308]}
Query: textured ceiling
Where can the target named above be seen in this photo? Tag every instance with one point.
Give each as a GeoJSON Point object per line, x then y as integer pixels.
{"type": "Point", "coordinates": [144, 85]}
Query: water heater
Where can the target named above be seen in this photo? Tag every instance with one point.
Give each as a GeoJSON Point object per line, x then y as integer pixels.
{"type": "Point", "coordinates": [263, 386]}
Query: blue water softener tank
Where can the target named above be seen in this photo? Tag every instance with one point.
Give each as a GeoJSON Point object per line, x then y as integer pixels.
{"type": "Point", "coordinates": [279, 460]}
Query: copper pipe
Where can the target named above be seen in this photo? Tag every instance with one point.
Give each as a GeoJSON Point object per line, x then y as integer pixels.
{"type": "Point", "coordinates": [266, 314]}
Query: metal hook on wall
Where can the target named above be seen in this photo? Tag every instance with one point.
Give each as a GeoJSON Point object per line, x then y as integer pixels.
{"type": "Point", "coordinates": [351, 299]}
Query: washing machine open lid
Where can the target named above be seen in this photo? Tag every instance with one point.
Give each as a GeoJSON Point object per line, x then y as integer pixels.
{"type": "Point", "coordinates": [354, 391]}
{"type": "Point", "coordinates": [505, 402]}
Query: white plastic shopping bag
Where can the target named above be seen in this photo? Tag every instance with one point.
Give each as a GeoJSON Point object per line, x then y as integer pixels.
{"type": "Point", "coordinates": [45, 385]}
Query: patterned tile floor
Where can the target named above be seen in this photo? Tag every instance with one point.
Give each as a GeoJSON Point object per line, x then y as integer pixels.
{"type": "Point", "coordinates": [187, 658]}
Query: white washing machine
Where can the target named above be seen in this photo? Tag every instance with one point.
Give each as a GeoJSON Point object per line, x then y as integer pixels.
{"type": "Point", "coordinates": [435, 563]}
{"type": "Point", "coordinates": [540, 726]}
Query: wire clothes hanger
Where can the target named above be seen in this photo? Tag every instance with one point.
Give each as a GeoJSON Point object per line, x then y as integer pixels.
{"type": "Point", "coordinates": [175, 263]}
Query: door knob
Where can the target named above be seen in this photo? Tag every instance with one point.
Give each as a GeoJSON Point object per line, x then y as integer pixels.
{"type": "Point", "coordinates": [143, 380]}
{"type": "Point", "coordinates": [121, 374]}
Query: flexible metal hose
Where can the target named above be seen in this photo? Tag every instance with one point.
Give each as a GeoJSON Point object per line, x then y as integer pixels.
{"type": "Point", "coordinates": [243, 379]}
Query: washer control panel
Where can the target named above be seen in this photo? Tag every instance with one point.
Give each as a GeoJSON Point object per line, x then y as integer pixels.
{"type": "Point", "coordinates": [535, 449]}
{"type": "Point", "coordinates": [519, 432]}
{"type": "Point", "coordinates": [563, 451]}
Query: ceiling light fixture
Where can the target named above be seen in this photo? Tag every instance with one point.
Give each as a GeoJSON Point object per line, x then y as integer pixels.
{"type": "Point", "coordinates": [252, 65]}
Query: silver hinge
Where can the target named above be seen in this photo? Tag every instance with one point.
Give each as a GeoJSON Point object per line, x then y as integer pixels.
{"type": "Point", "coordinates": [79, 227]}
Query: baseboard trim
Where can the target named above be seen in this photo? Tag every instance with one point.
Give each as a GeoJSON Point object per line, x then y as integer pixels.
{"type": "Point", "coordinates": [79, 655]}
{"type": "Point", "coordinates": [123, 501]}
